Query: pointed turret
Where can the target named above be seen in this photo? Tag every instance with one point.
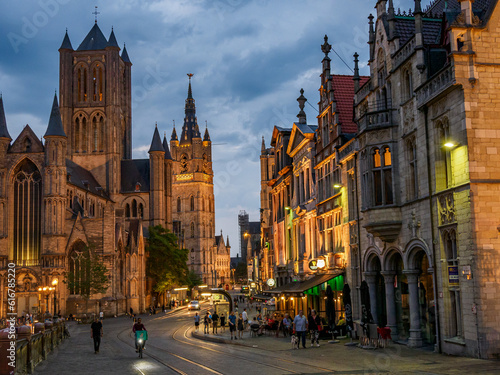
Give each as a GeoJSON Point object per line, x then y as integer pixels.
{"type": "Point", "coordinates": [227, 241]}
{"type": "Point", "coordinates": [263, 146]}
{"type": "Point", "coordinates": [302, 101]}
{"type": "Point", "coordinates": [391, 20]}
{"type": "Point", "coordinates": [356, 78]}
{"type": "Point", "coordinates": [112, 40]}
{"type": "Point", "coordinates": [4, 133]}
{"type": "Point", "coordinates": [206, 137]}
{"type": "Point", "coordinates": [156, 144]}
{"type": "Point", "coordinates": [165, 147]}
{"type": "Point", "coordinates": [125, 57]}
{"type": "Point", "coordinates": [371, 36]}
{"type": "Point", "coordinates": [190, 129]}
{"type": "Point", "coordinates": [174, 135]}
{"type": "Point", "coordinates": [55, 128]}
{"type": "Point", "coordinates": [95, 40]}
{"type": "Point", "coordinates": [66, 43]}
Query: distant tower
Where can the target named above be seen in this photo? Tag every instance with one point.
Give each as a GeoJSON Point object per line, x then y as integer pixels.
{"type": "Point", "coordinates": [243, 220]}
{"type": "Point", "coordinates": [193, 192]}
{"type": "Point", "coordinates": [95, 103]}
{"type": "Point", "coordinates": [157, 181]}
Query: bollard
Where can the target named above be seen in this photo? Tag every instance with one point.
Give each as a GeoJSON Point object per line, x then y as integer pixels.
{"type": "Point", "coordinates": [24, 332]}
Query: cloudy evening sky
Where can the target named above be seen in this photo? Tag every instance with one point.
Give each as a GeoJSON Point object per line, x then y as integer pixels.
{"type": "Point", "coordinates": [249, 59]}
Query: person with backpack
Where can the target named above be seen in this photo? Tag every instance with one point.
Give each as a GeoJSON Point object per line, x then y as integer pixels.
{"type": "Point", "coordinates": [215, 321]}
{"type": "Point", "coordinates": [232, 325]}
{"type": "Point", "coordinates": [206, 323]}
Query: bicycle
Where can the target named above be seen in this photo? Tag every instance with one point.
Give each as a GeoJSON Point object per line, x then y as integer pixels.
{"type": "Point", "coordinates": [141, 337]}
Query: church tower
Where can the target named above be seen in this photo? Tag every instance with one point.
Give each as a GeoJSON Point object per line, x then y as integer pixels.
{"type": "Point", "coordinates": [193, 193]}
{"type": "Point", "coordinates": [95, 90]}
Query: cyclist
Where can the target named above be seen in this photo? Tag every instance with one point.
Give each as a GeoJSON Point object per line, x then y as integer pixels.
{"type": "Point", "coordinates": [138, 327]}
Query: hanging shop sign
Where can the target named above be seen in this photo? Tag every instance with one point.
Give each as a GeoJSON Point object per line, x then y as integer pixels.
{"type": "Point", "coordinates": [453, 275]}
{"type": "Point", "coordinates": [270, 282]}
{"type": "Point", "coordinates": [317, 264]}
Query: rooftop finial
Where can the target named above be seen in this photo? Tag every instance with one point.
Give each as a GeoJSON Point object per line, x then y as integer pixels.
{"type": "Point", "coordinates": [190, 92]}
{"type": "Point", "coordinates": [156, 124]}
{"type": "Point", "coordinates": [326, 48]}
{"type": "Point", "coordinates": [302, 101]}
{"type": "Point", "coordinates": [174, 123]}
{"type": "Point", "coordinates": [95, 12]}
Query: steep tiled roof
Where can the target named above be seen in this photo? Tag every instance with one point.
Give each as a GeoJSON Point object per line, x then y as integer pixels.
{"type": "Point", "coordinates": [133, 171]}
{"type": "Point", "coordinates": [437, 7]}
{"type": "Point", "coordinates": [167, 150]}
{"type": "Point", "coordinates": [112, 40]}
{"type": "Point", "coordinates": [94, 40]}
{"type": "Point", "coordinates": [156, 144]}
{"type": "Point", "coordinates": [125, 57]}
{"type": "Point", "coordinates": [343, 87]}
{"type": "Point", "coordinates": [83, 178]}
{"type": "Point", "coordinates": [405, 29]}
{"type": "Point", "coordinates": [66, 43]}
{"type": "Point", "coordinates": [55, 127]}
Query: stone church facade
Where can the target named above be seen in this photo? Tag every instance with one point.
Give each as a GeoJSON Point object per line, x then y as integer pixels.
{"type": "Point", "coordinates": [80, 192]}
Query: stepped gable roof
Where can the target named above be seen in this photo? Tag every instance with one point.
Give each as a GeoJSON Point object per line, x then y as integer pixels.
{"type": "Point", "coordinates": [343, 87]}
{"type": "Point", "coordinates": [83, 179]}
{"type": "Point", "coordinates": [95, 40]}
{"type": "Point", "coordinates": [55, 127]}
{"type": "Point", "coordinates": [135, 171]}
{"type": "Point", "coordinates": [4, 133]}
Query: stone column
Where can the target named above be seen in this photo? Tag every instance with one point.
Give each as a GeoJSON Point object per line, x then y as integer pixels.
{"type": "Point", "coordinates": [390, 303]}
{"type": "Point", "coordinates": [371, 278]}
{"type": "Point", "coordinates": [415, 339]}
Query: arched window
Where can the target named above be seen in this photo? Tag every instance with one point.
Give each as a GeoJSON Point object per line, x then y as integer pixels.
{"type": "Point", "coordinates": [412, 182]}
{"type": "Point", "coordinates": [79, 268]}
{"type": "Point", "coordinates": [127, 210]}
{"type": "Point", "coordinates": [192, 230]}
{"type": "Point", "coordinates": [382, 176]}
{"type": "Point", "coordinates": [27, 223]}
{"type": "Point", "coordinates": [178, 204]}
{"type": "Point", "coordinates": [94, 134]}
{"type": "Point", "coordinates": [134, 208]}
{"type": "Point", "coordinates": [81, 83]}
{"type": "Point", "coordinates": [77, 135]}
{"type": "Point", "coordinates": [141, 211]}
{"type": "Point", "coordinates": [97, 83]}
{"type": "Point", "coordinates": [192, 203]}
{"type": "Point", "coordinates": [407, 84]}
{"type": "Point", "coordinates": [443, 165]}
{"type": "Point", "coordinates": [202, 199]}
{"type": "Point", "coordinates": [84, 135]}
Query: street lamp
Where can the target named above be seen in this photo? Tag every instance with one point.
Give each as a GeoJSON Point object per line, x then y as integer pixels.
{"type": "Point", "coordinates": [46, 290]}
{"type": "Point", "coordinates": [54, 283]}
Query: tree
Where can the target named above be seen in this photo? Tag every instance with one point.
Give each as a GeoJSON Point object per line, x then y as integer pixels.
{"type": "Point", "coordinates": [88, 276]}
{"type": "Point", "coordinates": [167, 263]}
{"type": "Point", "coordinates": [192, 280]}
{"type": "Point", "coordinates": [241, 272]}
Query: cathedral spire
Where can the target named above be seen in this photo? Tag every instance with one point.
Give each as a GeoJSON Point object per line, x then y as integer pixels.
{"type": "Point", "coordinates": [55, 127]}
{"type": "Point", "coordinates": [112, 40]}
{"type": "Point", "coordinates": [174, 134]}
{"type": "Point", "coordinates": [125, 57]}
{"type": "Point", "coordinates": [190, 128]}
{"type": "Point", "coordinates": [263, 146]}
{"type": "Point", "coordinates": [4, 133]}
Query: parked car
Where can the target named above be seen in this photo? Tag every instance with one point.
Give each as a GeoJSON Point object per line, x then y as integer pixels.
{"type": "Point", "coordinates": [194, 305]}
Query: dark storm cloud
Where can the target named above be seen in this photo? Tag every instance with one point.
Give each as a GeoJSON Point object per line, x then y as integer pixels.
{"type": "Point", "coordinates": [250, 59]}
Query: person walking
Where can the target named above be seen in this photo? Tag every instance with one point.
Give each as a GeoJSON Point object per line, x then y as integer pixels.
{"type": "Point", "coordinates": [300, 327]}
{"type": "Point", "coordinates": [101, 316]}
{"type": "Point", "coordinates": [196, 322]}
{"type": "Point", "coordinates": [131, 312]}
{"type": "Point", "coordinates": [206, 323]}
{"type": "Point", "coordinates": [222, 322]}
{"type": "Point", "coordinates": [240, 326]}
{"type": "Point", "coordinates": [232, 324]}
{"type": "Point", "coordinates": [215, 321]}
{"type": "Point", "coordinates": [96, 333]}
{"type": "Point", "coordinates": [314, 322]}
{"type": "Point", "coordinates": [245, 319]}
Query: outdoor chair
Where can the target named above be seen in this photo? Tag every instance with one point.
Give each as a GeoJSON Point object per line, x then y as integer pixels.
{"type": "Point", "coordinates": [254, 330]}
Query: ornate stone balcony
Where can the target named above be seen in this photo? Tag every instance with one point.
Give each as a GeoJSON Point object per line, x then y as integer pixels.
{"type": "Point", "coordinates": [384, 222]}
{"type": "Point", "coordinates": [442, 80]}
{"type": "Point", "coordinates": [403, 53]}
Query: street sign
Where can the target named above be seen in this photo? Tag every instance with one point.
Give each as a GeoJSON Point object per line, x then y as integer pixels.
{"type": "Point", "coordinates": [315, 264]}
{"type": "Point", "coordinates": [453, 275]}
{"type": "Point", "coordinates": [270, 282]}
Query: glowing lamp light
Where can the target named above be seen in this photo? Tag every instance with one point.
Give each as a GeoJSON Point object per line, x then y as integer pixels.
{"type": "Point", "coordinates": [287, 208]}
{"type": "Point", "coordinates": [54, 282]}
{"type": "Point", "coordinates": [337, 186]}
{"type": "Point", "coordinates": [202, 286]}
{"type": "Point", "coordinates": [321, 263]}
{"type": "Point", "coordinates": [206, 294]}
{"type": "Point", "coordinates": [282, 297]}
{"type": "Point", "coordinates": [291, 298]}
{"type": "Point", "coordinates": [180, 288]}
{"type": "Point", "coordinates": [449, 144]}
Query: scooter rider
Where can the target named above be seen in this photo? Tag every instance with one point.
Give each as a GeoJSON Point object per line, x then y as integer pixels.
{"type": "Point", "coordinates": [138, 327]}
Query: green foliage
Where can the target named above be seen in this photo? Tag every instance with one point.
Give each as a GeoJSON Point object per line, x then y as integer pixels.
{"type": "Point", "coordinates": [167, 263]}
{"type": "Point", "coordinates": [241, 272]}
{"type": "Point", "coordinates": [193, 279]}
{"type": "Point", "coordinates": [91, 277]}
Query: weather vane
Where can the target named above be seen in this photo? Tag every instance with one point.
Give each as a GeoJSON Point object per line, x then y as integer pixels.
{"type": "Point", "coordinates": [95, 12]}
{"type": "Point", "coordinates": [190, 75]}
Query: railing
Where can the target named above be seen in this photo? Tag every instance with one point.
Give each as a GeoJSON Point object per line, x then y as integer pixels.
{"type": "Point", "coordinates": [33, 350]}
{"type": "Point", "coordinates": [363, 92]}
{"type": "Point", "coordinates": [436, 85]}
{"type": "Point", "coordinates": [26, 262]}
{"type": "Point", "coordinates": [403, 53]}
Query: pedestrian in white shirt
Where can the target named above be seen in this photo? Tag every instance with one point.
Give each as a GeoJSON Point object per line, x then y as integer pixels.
{"type": "Point", "coordinates": [300, 327]}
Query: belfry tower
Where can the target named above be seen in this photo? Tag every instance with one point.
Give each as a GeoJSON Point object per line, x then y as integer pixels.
{"type": "Point", "coordinates": [95, 104]}
{"type": "Point", "coordinates": [193, 192]}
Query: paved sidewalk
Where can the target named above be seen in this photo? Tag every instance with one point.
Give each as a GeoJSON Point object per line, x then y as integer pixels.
{"type": "Point", "coordinates": [395, 359]}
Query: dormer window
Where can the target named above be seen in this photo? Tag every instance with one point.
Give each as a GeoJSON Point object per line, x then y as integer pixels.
{"type": "Point", "coordinates": [137, 186]}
